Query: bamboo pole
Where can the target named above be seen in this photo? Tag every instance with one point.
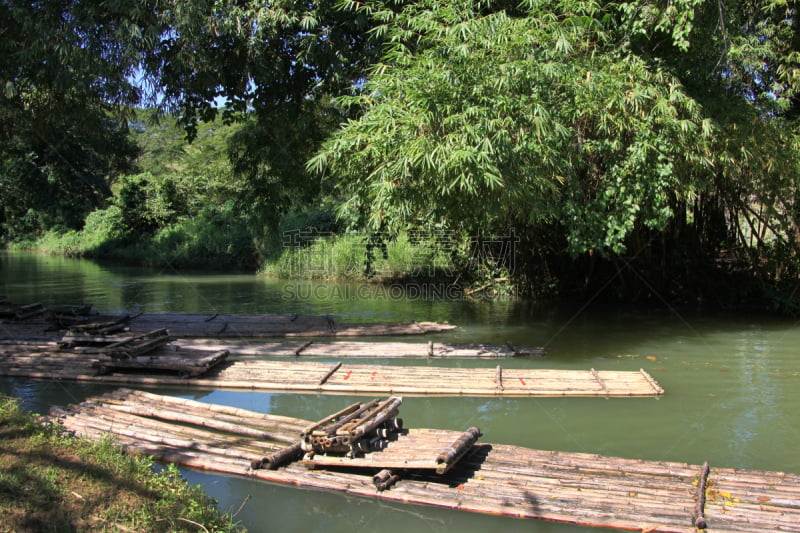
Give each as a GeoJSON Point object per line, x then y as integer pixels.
{"type": "Point", "coordinates": [328, 374]}
{"type": "Point", "coordinates": [282, 456]}
{"type": "Point", "coordinates": [698, 517]}
{"type": "Point", "coordinates": [449, 456]}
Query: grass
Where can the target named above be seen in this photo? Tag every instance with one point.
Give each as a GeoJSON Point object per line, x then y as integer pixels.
{"type": "Point", "coordinates": [350, 258]}
{"type": "Point", "coordinates": [53, 481]}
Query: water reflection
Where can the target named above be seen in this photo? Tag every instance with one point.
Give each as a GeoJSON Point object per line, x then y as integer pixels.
{"type": "Point", "coordinates": [732, 382]}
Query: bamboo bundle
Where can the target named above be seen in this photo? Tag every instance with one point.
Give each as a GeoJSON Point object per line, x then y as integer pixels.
{"type": "Point", "coordinates": [286, 426]}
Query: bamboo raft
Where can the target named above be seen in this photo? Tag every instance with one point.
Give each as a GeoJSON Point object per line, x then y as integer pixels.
{"type": "Point", "coordinates": [351, 349]}
{"type": "Point", "coordinates": [574, 488]}
{"type": "Point", "coordinates": [46, 362]}
{"type": "Point", "coordinates": [25, 325]}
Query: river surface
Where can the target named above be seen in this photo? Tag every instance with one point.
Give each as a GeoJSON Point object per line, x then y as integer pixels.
{"type": "Point", "coordinates": [732, 381]}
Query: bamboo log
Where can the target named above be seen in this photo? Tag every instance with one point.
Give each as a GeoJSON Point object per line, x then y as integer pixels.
{"type": "Point", "coordinates": [699, 517]}
{"type": "Point", "coordinates": [335, 416]}
{"type": "Point", "coordinates": [385, 479]}
{"type": "Point", "coordinates": [656, 387]}
{"type": "Point", "coordinates": [384, 412]}
{"type": "Point", "coordinates": [303, 347]}
{"type": "Point", "coordinates": [600, 382]}
{"type": "Point", "coordinates": [333, 428]}
{"type": "Point", "coordinates": [282, 456]}
{"type": "Point", "coordinates": [449, 456]}
{"type": "Point", "coordinates": [328, 374]}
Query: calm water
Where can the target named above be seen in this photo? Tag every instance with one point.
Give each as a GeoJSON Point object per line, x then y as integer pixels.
{"type": "Point", "coordinates": [732, 382]}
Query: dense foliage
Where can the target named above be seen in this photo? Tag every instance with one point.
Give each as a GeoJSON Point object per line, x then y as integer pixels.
{"type": "Point", "coordinates": [64, 70]}
{"type": "Point", "coordinates": [646, 145]}
{"type": "Point", "coordinates": [606, 131]}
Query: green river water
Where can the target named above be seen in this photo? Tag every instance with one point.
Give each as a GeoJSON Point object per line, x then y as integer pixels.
{"type": "Point", "coordinates": [732, 381]}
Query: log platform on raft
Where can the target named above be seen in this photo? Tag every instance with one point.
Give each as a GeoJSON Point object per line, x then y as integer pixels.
{"type": "Point", "coordinates": [574, 488]}
{"type": "Point", "coordinates": [297, 376]}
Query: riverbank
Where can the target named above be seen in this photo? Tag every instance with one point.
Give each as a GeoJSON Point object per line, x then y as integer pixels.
{"type": "Point", "coordinates": [422, 262]}
{"type": "Point", "coordinates": [52, 481]}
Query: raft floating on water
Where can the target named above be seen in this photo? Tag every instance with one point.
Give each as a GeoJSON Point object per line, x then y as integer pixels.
{"type": "Point", "coordinates": [574, 488]}
{"type": "Point", "coordinates": [229, 326]}
{"type": "Point", "coordinates": [45, 361]}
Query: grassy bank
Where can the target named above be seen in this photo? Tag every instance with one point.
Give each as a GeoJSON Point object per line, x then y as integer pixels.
{"type": "Point", "coordinates": [350, 257]}
{"type": "Point", "coordinates": [214, 238]}
{"type": "Point", "coordinates": [51, 481]}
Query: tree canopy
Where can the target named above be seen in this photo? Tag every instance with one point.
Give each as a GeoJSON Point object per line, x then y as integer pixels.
{"type": "Point", "coordinates": [602, 131]}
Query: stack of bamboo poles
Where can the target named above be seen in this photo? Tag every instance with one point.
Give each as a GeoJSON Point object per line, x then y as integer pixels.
{"type": "Point", "coordinates": [574, 488]}
{"type": "Point", "coordinates": [414, 448]}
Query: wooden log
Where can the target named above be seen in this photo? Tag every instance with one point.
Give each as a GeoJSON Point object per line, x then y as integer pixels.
{"type": "Point", "coordinates": [303, 347]}
{"type": "Point", "coordinates": [384, 479]}
{"type": "Point", "coordinates": [451, 455]}
{"type": "Point", "coordinates": [279, 458]}
{"type": "Point", "coordinates": [328, 374]}
{"type": "Point", "coordinates": [699, 518]}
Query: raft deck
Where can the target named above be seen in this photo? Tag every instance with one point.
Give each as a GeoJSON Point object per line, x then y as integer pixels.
{"type": "Point", "coordinates": [574, 488]}
{"type": "Point", "coordinates": [46, 362]}
{"type": "Point", "coordinates": [229, 326]}
{"type": "Point", "coordinates": [375, 349]}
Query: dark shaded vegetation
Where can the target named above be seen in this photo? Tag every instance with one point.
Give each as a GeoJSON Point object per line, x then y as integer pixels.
{"type": "Point", "coordinates": [636, 151]}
